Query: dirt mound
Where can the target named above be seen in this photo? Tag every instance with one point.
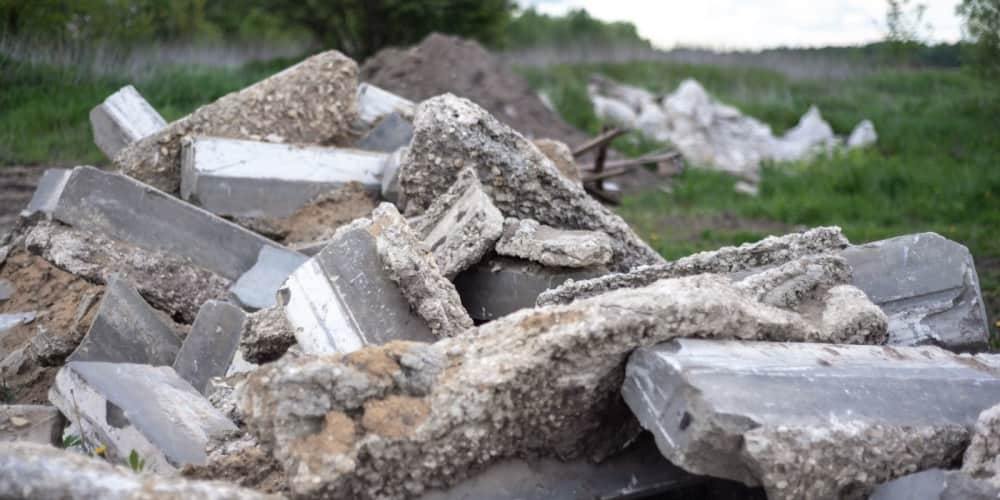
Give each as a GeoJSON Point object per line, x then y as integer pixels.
{"type": "Point", "coordinates": [441, 64]}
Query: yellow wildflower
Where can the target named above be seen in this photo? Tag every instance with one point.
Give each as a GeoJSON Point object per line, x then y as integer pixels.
{"type": "Point", "coordinates": [100, 450]}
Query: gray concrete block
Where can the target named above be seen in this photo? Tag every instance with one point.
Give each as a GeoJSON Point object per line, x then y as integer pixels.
{"type": "Point", "coordinates": [127, 330]}
{"type": "Point", "coordinates": [144, 408]}
{"type": "Point", "coordinates": [374, 103]}
{"type": "Point", "coordinates": [242, 178]}
{"type": "Point", "coordinates": [936, 484]}
{"type": "Point", "coordinates": [527, 239]}
{"type": "Point", "coordinates": [127, 210]}
{"type": "Point", "coordinates": [10, 320]}
{"type": "Point", "coordinates": [257, 288]}
{"type": "Point", "coordinates": [389, 134]}
{"type": "Point", "coordinates": [808, 420]}
{"type": "Point", "coordinates": [50, 186]}
{"type": "Point", "coordinates": [498, 286]}
{"type": "Point", "coordinates": [390, 176]}
{"type": "Point", "coordinates": [210, 347]}
{"type": "Point", "coordinates": [928, 287]}
{"type": "Point", "coordinates": [123, 118]}
{"type": "Point", "coordinates": [35, 423]}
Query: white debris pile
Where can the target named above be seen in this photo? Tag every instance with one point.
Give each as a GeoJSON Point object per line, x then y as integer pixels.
{"type": "Point", "coordinates": [715, 135]}
{"type": "Point", "coordinates": [222, 318]}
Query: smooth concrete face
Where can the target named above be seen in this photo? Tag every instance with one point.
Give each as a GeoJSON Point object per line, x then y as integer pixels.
{"type": "Point", "coordinates": [258, 179]}
{"type": "Point", "coordinates": [210, 347]}
{"type": "Point", "coordinates": [123, 118]}
{"type": "Point", "coordinates": [49, 189]}
{"type": "Point", "coordinates": [374, 103]}
{"type": "Point", "coordinates": [257, 288]}
{"type": "Point", "coordinates": [936, 484]}
{"type": "Point", "coordinates": [389, 134]}
{"type": "Point", "coordinates": [127, 210]}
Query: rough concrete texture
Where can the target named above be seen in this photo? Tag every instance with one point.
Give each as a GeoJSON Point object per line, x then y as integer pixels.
{"type": "Point", "coordinates": [35, 423]}
{"type": "Point", "coordinates": [392, 132]}
{"type": "Point", "coordinates": [374, 103]}
{"type": "Point", "coordinates": [393, 421]}
{"type": "Point", "coordinates": [982, 457]}
{"type": "Point", "coordinates": [452, 133]}
{"type": "Point", "coordinates": [30, 471]}
{"type": "Point", "coordinates": [498, 286]}
{"type": "Point", "coordinates": [266, 336]}
{"type": "Point", "coordinates": [240, 460]}
{"type": "Point", "coordinates": [928, 286]}
{"type": "Point", "coordinates": [209, 348]}
{"type": "Point", "coordinates": [936, 484]}
{"type": "Point", "coordinates": [770, 251]}
{"type": "Point", "coordinates": [123, 118]}
{"type": "Point", "coordinates": [168, 282]}
{"type": "Point", "coordinates": [127, 330]}
{"type": "Point", "coordinates": [808, 420]}
{"type": "Point", "coordinates": [461, 225]}
{"type": "Point", "coordinates": [257, 287]}
{"type": "Point", "coordinates": [527, 239]}
{"type": "Point", "coordinates": [561, 156]}
{"type": "Point", "coordinates": [138, 407]}
{"type": "Point", "coordinates": [312, 102]}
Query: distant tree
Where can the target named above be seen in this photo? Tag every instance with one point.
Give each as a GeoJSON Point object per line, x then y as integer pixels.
{"type": "Point", "coordinates": [112, 20]}
{"type": "Point", "coordinates": [530, 29]}
{"type": "Point", "coordinates": [982, 27]}
{"type": "Point", "coordinates": [905, 29]}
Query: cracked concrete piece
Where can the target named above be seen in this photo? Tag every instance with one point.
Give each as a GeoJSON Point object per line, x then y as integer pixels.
{"type": "Point", "coordinates": [451, 133]}
{"type": "Point", "coordinates": [461, 226]}
{"type": "Point", "coordinates": [149, 409]}
{"type": "Point", "coordinates": [46, 195]}
{"type": "Point", "coordinates": [773, 250]}
{"type": "Point", "coordinates": [257, 288]}
{"type": "Point", "coordinates": [312, 102]}
{"type": "Point", "coordinates": [561, 156]}
{"type": "Point", "coordinates": [390, 133]}
{"type": "Point", "coordinates": [240, 178]}
{"type": "Point", "coordinates": [527, 239]}
{"type": "Point", "coordinates": [127, 330]}
{"type": "Point", "coordinates": [30, 471]}
{"type": "Point", "coordinates": [936, 484]}
{"type": "Point", "coordinates": [498, 286]}
{"type": "Point", "coordinates": [375, 103]}
{"type": "Point", "coordinates": [808, 420]}
{"type": "Point", "coordinates": [267, 335]}
{"type": "Point", "coordinates": [394, 421]}
{"type": "Point", "coordinates": [123, 118]}
{"type": "Point", "coordinates": [129, 211]}
{"type": "Point", "coordinates": [982, 457]}
{"type": "Point", "coordinates": [34, 423]}
{"type": "Point", "coordinates": [928, 286]}
{"type": "Point", "coordinates": [209, 349]}
{"type": "Point", "coordinates": [168, 282]}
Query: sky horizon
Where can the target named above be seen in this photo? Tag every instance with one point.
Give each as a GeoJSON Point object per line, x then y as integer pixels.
{"type": "Point", "coordinates": [757, 24]}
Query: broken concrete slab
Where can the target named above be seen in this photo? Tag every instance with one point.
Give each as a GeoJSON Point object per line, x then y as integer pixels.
{"type": "Point", "coordinates": [538, 382]}
{"type": "Point", "coordinates": [210, 347]}
{"type": "Point", "coordinates": [240, 178]}
{"type": "Point", "coordinates": [373, 283]}
{"type": "Point", "coordinates": [451, 133]}
{"type": "Point", "coordinates": [461, 226]}
{"type": "Point", "coordinates": [127, 330]}
{"type": "Point", "coordinates": [149, 409]}
{"type": "Point", "coordinates": [33, 423]}
{"type": "Point", "coordinates": [498, 286]}
{"type": "Point", "coordinates": [29, 471]}
{"type": "Point", "coordinates": [129, 211]}
{"type": "Point", "coordinates": [982, 457]}
{"type": "Point", "coordinates": [527, 239]}
{"type": "Point", "coordinates": [46, 195]}
{"type": "Point", "coordinates": [808, 420]}
{"type": "Point", "coordinates": [390, 133]}
{"type": "Point", "coordinates": [312, 102]}
{"type": "Point", "coordinates": [936, 484]}
{"type": "Point", "coordinates": [375, 103]}
{"type": "Point", "coordinates": [123, 118]}
{"type": "Point", "coordinates": [928, 286]}
{"type": "Point", "coordinates": [771, 251]}
{"type": "Point", "coordinates": [257, 288]}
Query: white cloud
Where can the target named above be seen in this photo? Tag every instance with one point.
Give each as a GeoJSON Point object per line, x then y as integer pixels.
{"type": "Point", "coordinates": [753, 24]}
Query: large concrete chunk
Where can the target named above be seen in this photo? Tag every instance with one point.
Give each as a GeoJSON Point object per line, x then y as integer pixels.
{"type": "Point", "coordinates": [527, 239]}
{"type": "Point", "coordinates": [312, 102]}
{"type": "Point", "coordinates": [538, 382]}
{"type": "Point", "coordinates": [808, 420]}
{"type": "Point", "coordinates": [209, 348]}
{"type": "Point", "coordinates": [452, 133]}
{"type": "Point", "coordinates": [257, 288]}
{"type": "Point", "coordinates": [132, 212]}
{"type": "Point", "coordinates": [461, 226]}
{"type": "Point", "coordinates": [138, 407]}
{"type": "Point", "coordinates": [982, 457]}
{"type": "Point", "coordinates": [928, 286]}
{"type": "Point", "coordinates": [498, 286]}
{"type": "Point", "coordinates": [31, 471]}
{"type": "Point", "coordinates": [123, 118]}
{"type": "Point", "coordinates": [242, 178]}
{"type": "Point", "coordinates": [127, 330]}
{"type": "Point", "coordinates": [375, 103]}
{"type": "Point", "coordinates": [936, 484]}
{"type": "Point", "coordinates": [35, 423]}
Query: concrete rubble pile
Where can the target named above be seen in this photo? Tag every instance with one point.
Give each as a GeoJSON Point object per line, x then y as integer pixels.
{"type": "Point", "coordinates": [313, 288]}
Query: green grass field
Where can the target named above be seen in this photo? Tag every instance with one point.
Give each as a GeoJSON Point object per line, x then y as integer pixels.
{"type": "Point", "coordinates": [936, 166]}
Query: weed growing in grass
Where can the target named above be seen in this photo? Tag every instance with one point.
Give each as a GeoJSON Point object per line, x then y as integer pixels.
{"type": "Point", "coordinates": [135, 462]}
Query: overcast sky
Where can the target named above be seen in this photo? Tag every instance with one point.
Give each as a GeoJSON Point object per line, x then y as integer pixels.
{"type": "Point", "coordinates": [743, 24]}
